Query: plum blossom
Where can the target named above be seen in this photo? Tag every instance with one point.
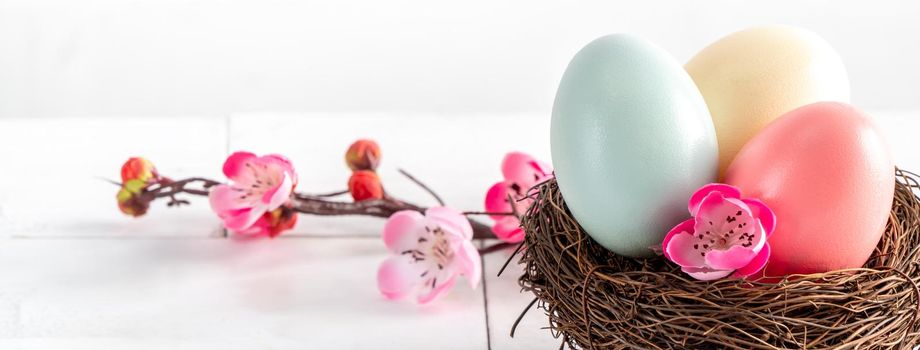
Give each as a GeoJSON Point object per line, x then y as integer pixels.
{"type": "Point", "coordinates": [429, 252]}
{"type": "Point", "coordinates": [726, 236]}
{"type": "Point", "coordinates": [259, 188]}
{"type": "Point", "coordinates": [521, 172]}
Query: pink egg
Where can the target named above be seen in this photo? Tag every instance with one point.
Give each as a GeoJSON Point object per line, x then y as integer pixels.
{"type": "Point", "coordinates": [826, 171]}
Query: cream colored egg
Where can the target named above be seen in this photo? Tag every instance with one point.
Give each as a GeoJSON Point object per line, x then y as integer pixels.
{"type": "Point", "coordinates": [752, 77]}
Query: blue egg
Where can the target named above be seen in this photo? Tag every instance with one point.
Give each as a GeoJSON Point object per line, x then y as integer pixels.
{"type": "Point", "coordinates": [631, 140]}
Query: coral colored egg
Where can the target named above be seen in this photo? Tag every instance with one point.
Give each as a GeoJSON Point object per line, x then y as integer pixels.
{"type": "Point", "coordinates": [631, 140]}
{"type": "Point", "coordinates": [827, 173]}
{"type": "Point", "coordinates": [752, 77]}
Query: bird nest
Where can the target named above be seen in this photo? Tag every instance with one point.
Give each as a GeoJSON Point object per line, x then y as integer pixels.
{"type": "Point", "coordinates": [596, 299]}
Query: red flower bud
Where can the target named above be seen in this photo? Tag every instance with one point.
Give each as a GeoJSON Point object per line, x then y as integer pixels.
{"type": "Point", "coordinates": [363, 155]}
{"type": "Point", "coordinates": [365, 185]}
{"type": "Point", "coordinates": [137, 168]}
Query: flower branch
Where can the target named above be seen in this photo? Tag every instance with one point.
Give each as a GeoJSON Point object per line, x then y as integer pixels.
{"type": "Point", "coordinates": [304, 203]}
{"type": "Point", "coordinates": [430, 246]}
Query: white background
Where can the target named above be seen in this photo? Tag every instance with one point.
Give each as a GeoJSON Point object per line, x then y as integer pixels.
{"type": "Point", "coordinates": [218, 57]}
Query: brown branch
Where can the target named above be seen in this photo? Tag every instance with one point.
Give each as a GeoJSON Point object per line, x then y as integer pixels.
{"type": "Point", "coordinates": [321, 195]}
{"type": "Point", "coordinates": [306, 204]}
{"type": "Point", "coordinates": [169, 188]}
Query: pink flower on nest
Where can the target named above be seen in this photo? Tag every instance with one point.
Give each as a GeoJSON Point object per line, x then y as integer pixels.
{"type": "Point", "coordinates": [259, 187]}
{"type": "Point", "coordinates": [726, 234]}
{"type": "Point", "coordinates": [521, 172]}
{"type": "Point", "coordinates": [429, 252]}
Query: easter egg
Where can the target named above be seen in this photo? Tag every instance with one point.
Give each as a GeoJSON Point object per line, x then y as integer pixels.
{"type": "Point", "coordinates": [631, 139]}
{"type": "Point", "coordinates": [827, 173]}
{"type": "Point", "coordinates": [751, 77]}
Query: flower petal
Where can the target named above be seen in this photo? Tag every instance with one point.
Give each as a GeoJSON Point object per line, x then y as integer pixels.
{"type": "Point", "coordinates": [401, 230]}
{"type": "Point", "coordinates": [683, 227]}
{"type": "Point", "coordinates": [469, 263]}
{"type": "Point", "coordinates": [234, 166]}
{"type": "Point", "coordinates": [722, 215]}
{"type": "Point", "coordinates": [280, 160]}
{"type": "Point", "coordinates": [260, 227]}
{"type": "Point", "coordinates": [497, 200]}
{"type": "Point", "coordinates": [518, 167]}
{"type": "Point", "coordinates": [762, 212]}
{"type": "Point", "coordinates": [450, 219]}
{"type": "Point", "coordinates": [680, 250]}
{"type": "Point", "coordinates": [705, 273]}
{"type": "Point", "coordinates": [756, 264]}
{"type": "Point", "coordinates": [508, 229]}
{"type": "Point", "coordinates": [397, 277]}
{"type": "Point", "coordinates": [696, 199]}
{"type": "Point", "coordinates": [426, 298]}
{"type": "Point", "coordinates": [284, 163]}
{"type": "Point", "coordinates": [542, 168]}
{"type": "Point", "coordinates": [733, 258]}
{"type": "Point", "coordinates": [760, 239]}
{"type": "Point", "coordinates": [244, 219]}
{"type": "Point", "coordinates": [280, 194]}
{"type": "Point", "coordinates": [224, 198]}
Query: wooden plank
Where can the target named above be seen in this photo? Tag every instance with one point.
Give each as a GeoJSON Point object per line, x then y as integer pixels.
{"type": "Point", "coordinates": [506, 301]}
{"type": "Point", "coordinates": [208, 293]}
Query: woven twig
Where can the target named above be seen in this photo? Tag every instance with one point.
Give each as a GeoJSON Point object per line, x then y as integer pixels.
{"type": "Point", "coordinates": [598, 300]}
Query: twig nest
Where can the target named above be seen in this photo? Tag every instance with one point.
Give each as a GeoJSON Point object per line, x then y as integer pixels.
{"type": "Point", "coordinates": [596, 299]}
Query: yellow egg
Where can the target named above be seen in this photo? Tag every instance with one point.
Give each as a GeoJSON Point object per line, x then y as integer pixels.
{"type": "Point", "coordinates": [756, 75]}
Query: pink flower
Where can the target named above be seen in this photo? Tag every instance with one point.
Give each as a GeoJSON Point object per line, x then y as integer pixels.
{"type": "Point", "coordinates": [726, 234]}
{"type": "Point", "coordinates": [521, 172]}
{"type": "Point", "coordinates": [429, 252]}
{"type": "Point", "coordinates": [259, 185]}
{"type": "Point", "coordinates": [273, 223]}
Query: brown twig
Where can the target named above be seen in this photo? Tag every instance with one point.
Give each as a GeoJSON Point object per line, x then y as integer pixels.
{"type": "Point", "coordinates": [423, 186]}
{"type": "Point", "coordinates": [514, 210]}
{"type": "Point", "coordinates": [169, 188]}
{"type": "Point", "coordinates": [321, 195]}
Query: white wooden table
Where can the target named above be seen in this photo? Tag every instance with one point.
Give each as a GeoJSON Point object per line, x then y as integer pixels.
{"type": "Point", "coordinates": [76, 274]}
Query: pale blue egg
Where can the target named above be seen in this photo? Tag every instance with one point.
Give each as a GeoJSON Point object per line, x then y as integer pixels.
{"type": "Point", "coordinates": [631, 140]}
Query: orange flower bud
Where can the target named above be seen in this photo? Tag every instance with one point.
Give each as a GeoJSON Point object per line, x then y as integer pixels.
{"type": "Point", "coordinates": [363, 155]}
{"type": "Point", "coordinates": [365, 185]}
{"type": "Point", "coordinates": [129, 198]}
{"type": "Point", "coordinates": [137, 168]}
